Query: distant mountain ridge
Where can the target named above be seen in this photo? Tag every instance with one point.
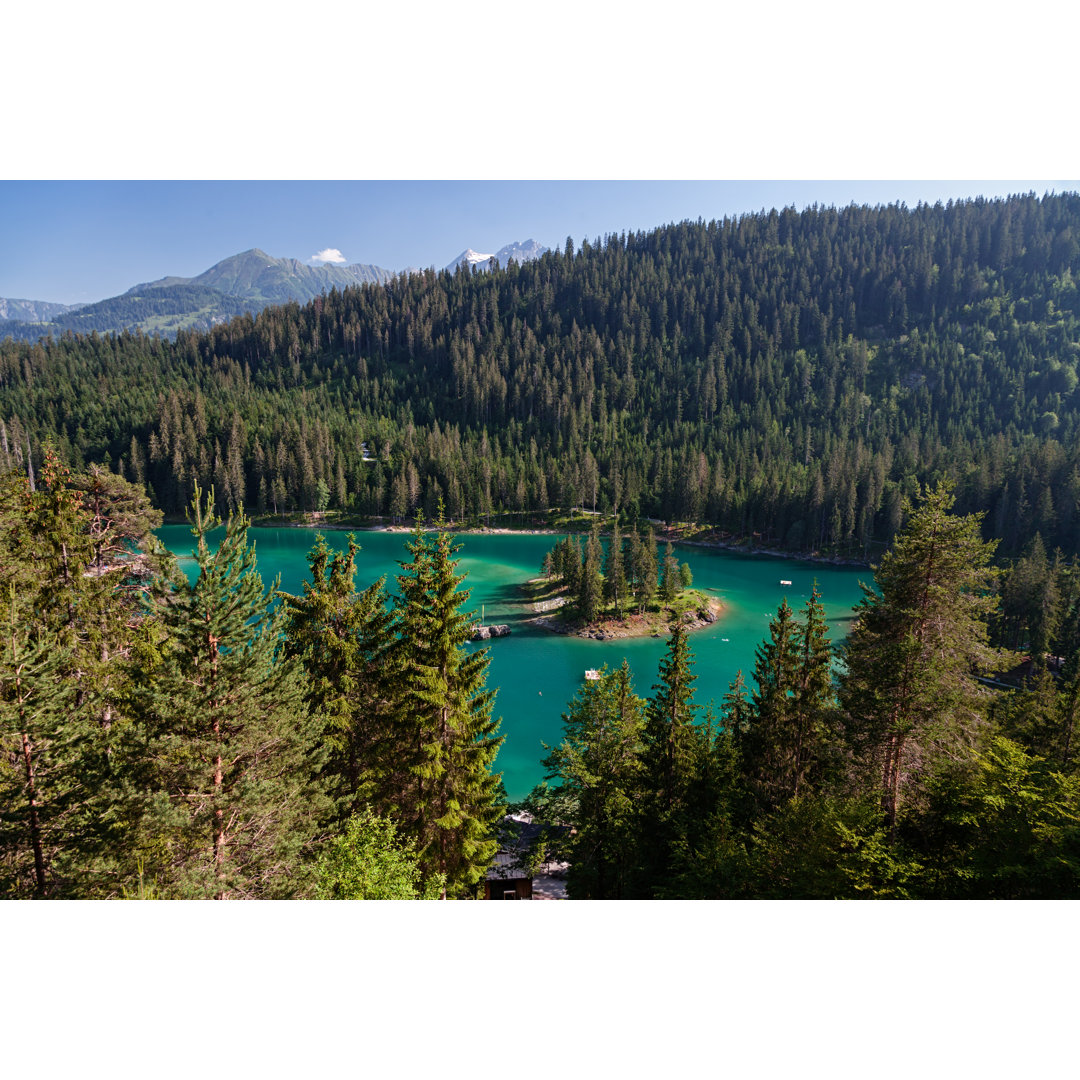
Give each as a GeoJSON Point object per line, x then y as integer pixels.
{"type": "Point", "coordinates": [254, 275]}
{"type": "Point", "coordinates": [248, 281]}
{"type": "Point", "coordinates": [518, 251]}
{"type": "Point", "coordinates": [33, 310]}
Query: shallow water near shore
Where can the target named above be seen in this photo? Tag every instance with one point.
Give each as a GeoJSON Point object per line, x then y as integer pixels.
{"type": "Point", "coordinates": [537, 672]}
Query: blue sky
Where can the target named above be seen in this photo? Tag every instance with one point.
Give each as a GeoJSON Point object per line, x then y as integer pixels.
{"type": "Point", "coordinates": [77, 241]}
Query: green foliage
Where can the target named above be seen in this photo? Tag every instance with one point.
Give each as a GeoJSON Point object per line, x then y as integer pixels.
{"type": "Point", "coordinates": [231, 805]}
{"type": "Point", "coordinates": [1002, 824]}
{"type": "Point", "coordinates": [726, 372]}
{"type": "Point", "coordinates": [674, 754]}
{"type": "Point", "coordinates": [345, 641]}
{"type": "Point", "coordinates": [370, 861]}
{"type": "Point", "coordinates": [909, 684]}
{"type": "Point", "coordinates": [450, 800]}
{"type": "Point", "coordinates": [597, 764]}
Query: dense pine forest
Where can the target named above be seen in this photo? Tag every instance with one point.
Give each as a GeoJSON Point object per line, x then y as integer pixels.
{"type": "Point", "coordinates": [899, 774]}
{"type": "Point", "coordinates": [215, 738]}
{"type": "Point", "coordinates": [789, 377]}
{"type": "Point", "coordinates": [887, 383]}
{"type": "Point", "coordinates": [218, 739]}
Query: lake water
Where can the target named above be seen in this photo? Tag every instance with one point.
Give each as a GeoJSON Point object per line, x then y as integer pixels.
{"type": "Point", "coordinates": [536, 672]}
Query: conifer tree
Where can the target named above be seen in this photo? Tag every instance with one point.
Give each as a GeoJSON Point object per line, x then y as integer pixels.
{"type": "Point", "coordinates": [645, 572]}
{"type": "Point", "coordinates": [670, 745]}
{"type": "Point", "coordinates": [40, 777]}
{"type": "Point", "coordinates": [453, 803]}
{"type": "Point", "coordinates": [598, 764]}
{"type": "Point", "coordinates": [233, 807]}
{"type": "Point", "coordinates": [812, 698]}
{"type": "Point", "coordinates": [770, 740]}
{"type": "Point", "coordinates": [615, 572]}
{"type": "Point", "coordinates": [669, 575]}
{"type": "Point", "coordinates": [344, 640]}
{"type": "Point", "coordinates": [590, 587]}
{"type": "Point", "coordinates": [909, 688]}
{"type": "Point", "coordinates": [82, 606]}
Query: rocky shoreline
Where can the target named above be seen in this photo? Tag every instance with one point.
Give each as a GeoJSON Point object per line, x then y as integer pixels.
{"type": "Point", "coordinates": [662, 535]}
{"type": "Point", "coordinates": [628, 627]}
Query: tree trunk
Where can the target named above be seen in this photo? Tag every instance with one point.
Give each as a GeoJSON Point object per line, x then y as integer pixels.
{"type": "Point", "coordinates": [35, 826]}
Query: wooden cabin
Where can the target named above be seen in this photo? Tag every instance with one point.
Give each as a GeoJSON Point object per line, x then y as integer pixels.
{"type": "Point", "coordinates": [505, 881]}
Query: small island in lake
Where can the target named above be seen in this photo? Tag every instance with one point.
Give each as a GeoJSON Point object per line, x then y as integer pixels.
{"type": "Point", "coordinates": [629, 592]}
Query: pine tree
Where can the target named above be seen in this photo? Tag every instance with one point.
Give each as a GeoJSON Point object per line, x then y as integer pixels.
{"type": "Point", "coordinates": [669, 576]}
{"type": "Point", "coordinates": [37, 788]}
{"type": "Point", "coordinates": [233, 807]}
{"type": "Point", "coordinates": [614, 572]}
{"type": "Point", "coordinates": [909, 687]}
{"type": "Point", "coordinates": [454, 800]}
{"type": "Point", "coordinates": [344, 640]}
{"type": "Point", "coordinates": [768, 747]}
{"type": "Point", "coordinates": [598, 766]}
{"type": "Point", "coordinates": [590, 587]}
{"type": "Point", "coordinates": [669, 755]}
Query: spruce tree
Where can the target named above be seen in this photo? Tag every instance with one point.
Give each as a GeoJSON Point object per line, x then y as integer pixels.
{"type": "Point", "coordinates": [615, 572]}
{"type": "Point", "coordinates": [82, 605]}
{"type": "Point", "coordinates": [233, 807]}
{"type": "Point", "coordinates": [909, 685]}
{"type": "Point", "coordinates": [453, 802]}
{"type": "Point", "coordinates": [770, 740]}
{"type": "Point", "coordinates": [41, 777]}
{"type": "Point", "coordinates": [813, 698]}
{"type": "Point", "coordinates": [344, 640]}
{"type": "Point", "coordinates": [645, 572]}
{"type": "Point", "coordinates": [669, 575]}
{"type": "Point", "coordinates": [590, 587]}
{"type": "Point", "coordinates": [598, 765]}
{"type": "Point", "coordinates": [670, 752]}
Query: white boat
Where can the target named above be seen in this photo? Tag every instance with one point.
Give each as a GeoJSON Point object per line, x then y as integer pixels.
{"type": "Point", "coordinates": [592, 674]}
{"type": "Point", "coordinates": [784, 582]}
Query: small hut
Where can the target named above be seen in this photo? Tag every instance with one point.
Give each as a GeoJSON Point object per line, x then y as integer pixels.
{"type": "Point", "coordinates": [506, 880]}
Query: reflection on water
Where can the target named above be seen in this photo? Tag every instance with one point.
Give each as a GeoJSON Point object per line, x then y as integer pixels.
{"type": "Point", "coordinates": [537, 672]}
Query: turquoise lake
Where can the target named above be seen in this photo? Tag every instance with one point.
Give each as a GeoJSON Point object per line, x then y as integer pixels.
{"type": "Point", "coordinates": [535, 672]}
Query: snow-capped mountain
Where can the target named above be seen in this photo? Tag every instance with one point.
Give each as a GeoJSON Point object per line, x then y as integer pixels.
{"type": "Point", "coordinates": [518, 251]}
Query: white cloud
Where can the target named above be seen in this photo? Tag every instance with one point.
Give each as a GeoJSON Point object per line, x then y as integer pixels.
{"type": "Point", "coordinates": [331, 255]}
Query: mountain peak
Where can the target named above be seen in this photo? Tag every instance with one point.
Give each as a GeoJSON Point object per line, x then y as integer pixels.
{"type": "Point", "coordinates": [518, 251]}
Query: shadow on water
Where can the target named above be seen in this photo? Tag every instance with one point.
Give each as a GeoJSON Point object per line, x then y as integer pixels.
{"type": "Point", "coordinates": [537, 672]}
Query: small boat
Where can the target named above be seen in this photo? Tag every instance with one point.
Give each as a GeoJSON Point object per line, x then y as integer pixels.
{"type": "Point", "coordinates": [592, 674]}
{"type": "Point", "coordinates": [783, 581]}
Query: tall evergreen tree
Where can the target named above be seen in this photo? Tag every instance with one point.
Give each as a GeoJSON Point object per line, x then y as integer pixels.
{"type": "Point", "coordinates": [670, 582]}
{"type": "Point", "coordinates": [446, 715]}
{"type": "Point", "coordinates": [590, 588]}
{"type": "Point", "coordinates": [233, 807]}
{"type": "Point", "coordinates": [670, 754]}
{"type": "Point", "coordinates": [344, 640]}
{"type": "Point", "coordinates": [615, 572]}
{"type": "Point", "coordinates": [598, 765]}
{"type": "Point", "coordinates": [40, 776]}
{"type": "Point", "coordinates": [769, 744]}
{"type": "Point", "coordinates": [910, 661]}
{"type": "Point", "coordinates": [813, 701]}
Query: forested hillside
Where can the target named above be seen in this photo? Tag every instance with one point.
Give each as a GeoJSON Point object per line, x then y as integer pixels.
{"type": "Point", "coordinates": [785, 376]}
